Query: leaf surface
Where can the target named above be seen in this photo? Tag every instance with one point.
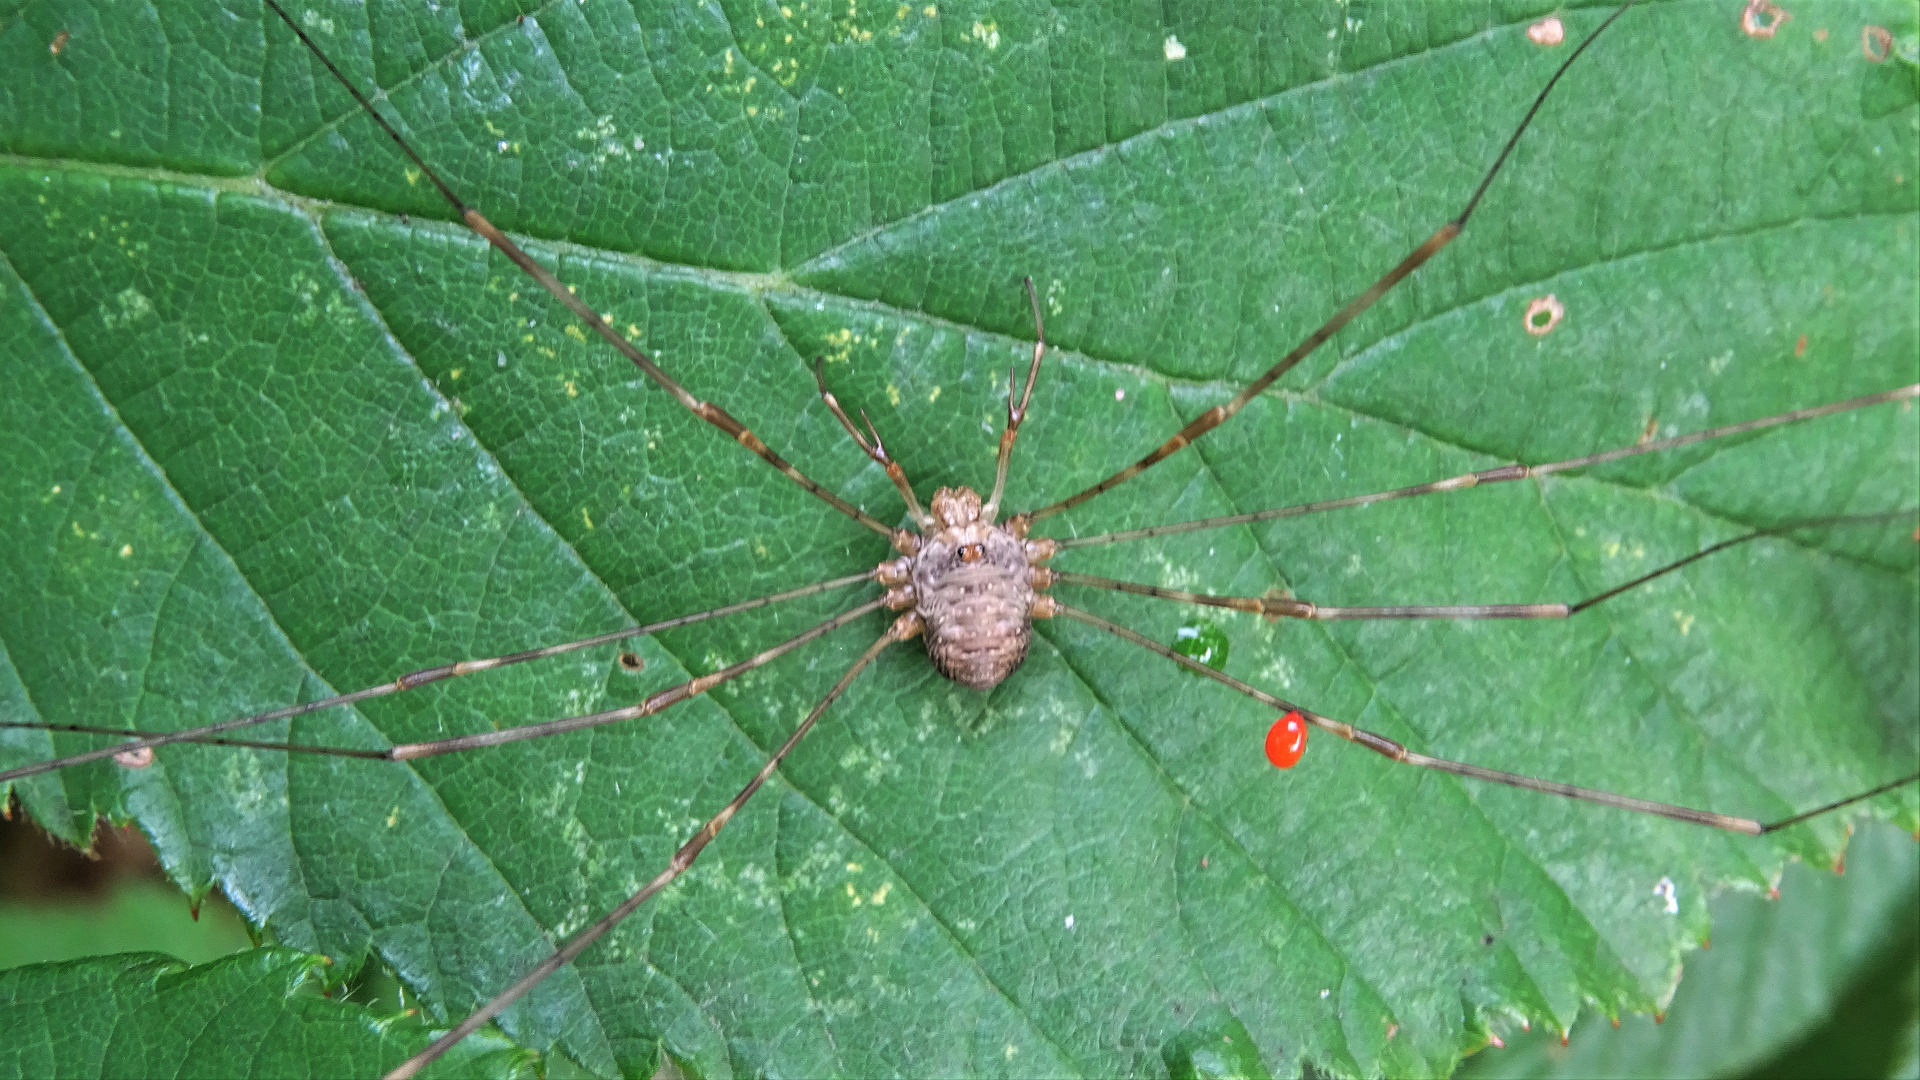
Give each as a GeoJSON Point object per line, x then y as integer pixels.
{"type": "Point", "coordinates": [258, 1013]}
{"type": "Point", "coordinates": [276, 427]}
{"type": "Point", "coordinates": [1825, 968]}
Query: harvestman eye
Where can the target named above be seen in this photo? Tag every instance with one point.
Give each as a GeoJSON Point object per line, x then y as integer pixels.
{"type": "Point", "coordinates": [968, 577]}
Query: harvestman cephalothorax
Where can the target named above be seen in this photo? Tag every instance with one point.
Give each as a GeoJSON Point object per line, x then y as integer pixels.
{"type": "Point", "coordinates": [1092, 773]}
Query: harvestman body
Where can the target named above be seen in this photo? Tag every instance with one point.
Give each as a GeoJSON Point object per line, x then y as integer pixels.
{"type": "Point", "coordinates": [972, 583]}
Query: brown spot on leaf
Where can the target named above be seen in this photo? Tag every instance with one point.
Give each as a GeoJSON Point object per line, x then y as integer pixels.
{"type": "Point", "coordinates": [1543, 314]}
{"type": "Point", "coordinates": [1800, 347]}
{"type": "Point", "coordinates": [135, 759]}
{"type": "Point", "coordinates": [1548, 32]}
{"type": "Point", "coordinates": [631, 662]}
{"type": "Point", "coordinates": [1876, 44]}
{"type": "Point", "coordinates": [59, 43]}
{"type": "Point", "coordinates": [1775, 16]}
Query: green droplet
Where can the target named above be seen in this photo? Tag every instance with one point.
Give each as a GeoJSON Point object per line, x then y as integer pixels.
{"type": "Point", "coordinates": [1202, 641]}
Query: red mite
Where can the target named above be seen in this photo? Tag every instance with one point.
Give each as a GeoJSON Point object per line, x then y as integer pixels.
{"type": "Point", "coordinates": [1287, 740]}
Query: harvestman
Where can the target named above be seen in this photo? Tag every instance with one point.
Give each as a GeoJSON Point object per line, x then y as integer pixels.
{"type": "Point", "coordinates": [970, 580]}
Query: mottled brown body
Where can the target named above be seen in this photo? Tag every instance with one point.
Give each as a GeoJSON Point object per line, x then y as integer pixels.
{"type": "Point", "coordinates": [973, 583]}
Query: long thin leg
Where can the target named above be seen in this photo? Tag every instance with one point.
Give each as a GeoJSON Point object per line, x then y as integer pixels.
{"type": "Point", "coordinates": [871, 444]}
{"type": "Point", "coordinates": [245, 744]}
{"type": "Point", "coordinates": [1496, 475]}
{"type": "Point", "coordinates": [1016, 413]}
{"type": "Point", "coordinates": [417, 678]}
{"type": "Point", "coordinates": [1392, 750]}
{"type": "Point", "coordinates": [1219, 414]}
{"type": "Point", "coordinates": [1289, 608]}
{"type": "Point", "coordinates": [672, 695]}
{"type": "Point", "coordinates": [906, 626]}
{"type": "Point", "coordinates": [705, 410]}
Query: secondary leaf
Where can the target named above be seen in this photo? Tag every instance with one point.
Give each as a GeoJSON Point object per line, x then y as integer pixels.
{"type": "Point", "coordinates": [1828, 966]}
{"type": "Point", "coordinates": [258, 1014]}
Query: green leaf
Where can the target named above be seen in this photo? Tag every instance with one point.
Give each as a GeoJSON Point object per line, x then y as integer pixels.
{"type": "Point", "coordinates": [1826, 970]}
{"type": "Point", "coordinates": [274, 426]}
{"type": "Point", "coordinates": [1215, 1047]}
{"type": "Point", "coordinates": [253, 1014]}
{"type": "Point", "coordinates": [135, 914]}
